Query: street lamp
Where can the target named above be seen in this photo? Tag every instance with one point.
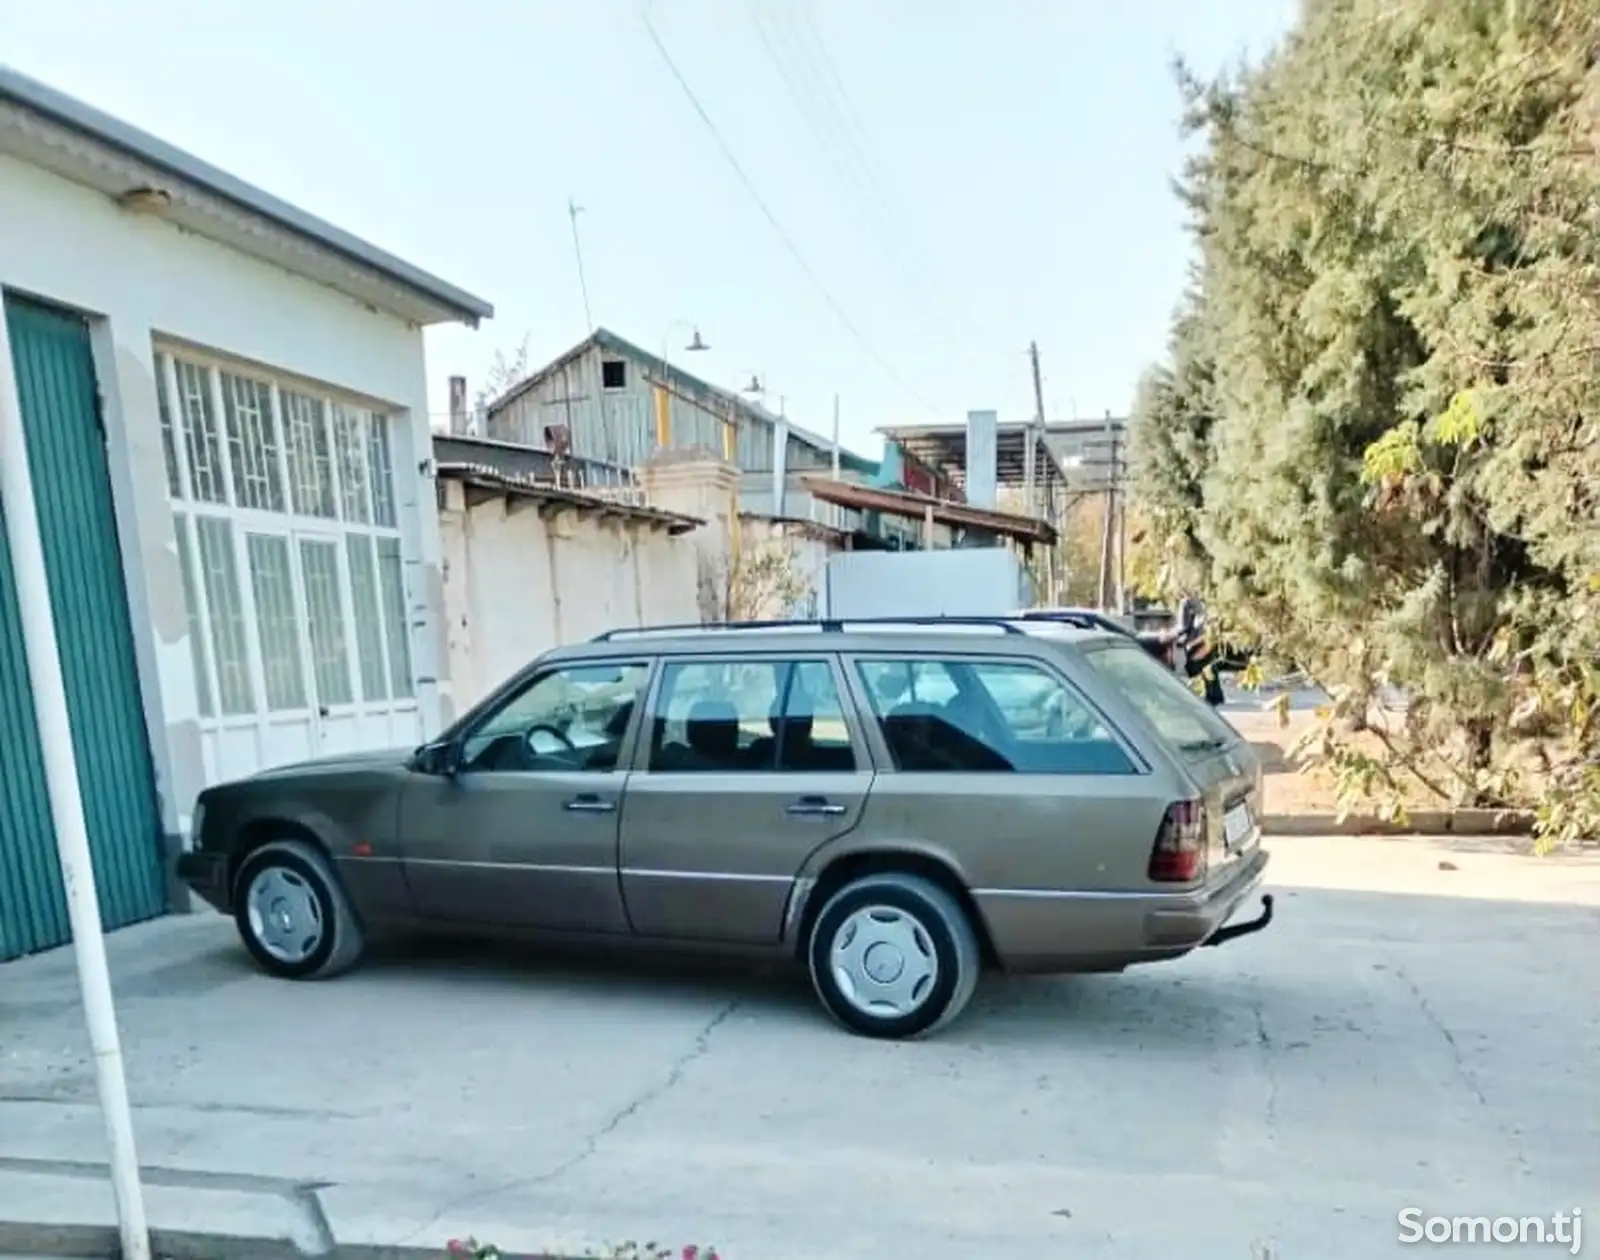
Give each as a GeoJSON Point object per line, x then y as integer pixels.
{"type": "Point", "coordinates": [780, 442]}
{"type": "Point", "coordinates": [663, 396]}
{"type": "Point", "coordinates": [757, 387]}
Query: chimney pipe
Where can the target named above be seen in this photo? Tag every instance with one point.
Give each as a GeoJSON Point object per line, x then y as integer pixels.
{"type": "Point", "coordinates": [458, 405]}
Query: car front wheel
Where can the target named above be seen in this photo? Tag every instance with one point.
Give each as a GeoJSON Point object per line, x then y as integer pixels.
{"type": "Point", "coordinates": [893, 955]}
{"type": "Point", "coordinates": [292, 913]}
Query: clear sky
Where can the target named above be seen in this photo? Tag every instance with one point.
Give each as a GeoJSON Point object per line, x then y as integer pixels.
{"type": "Point", "coordinates": [959, 177]}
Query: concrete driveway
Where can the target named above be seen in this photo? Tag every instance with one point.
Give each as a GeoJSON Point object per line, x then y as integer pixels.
{"type": "Point", "coordinates": [1404, 1036]}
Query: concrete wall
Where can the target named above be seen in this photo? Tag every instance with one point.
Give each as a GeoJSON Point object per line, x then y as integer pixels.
{"type": "Point", "coordinates": [518, 583]}
{"type": "Point", "coordinates": [807, 551]}
{"type": "Point", "coordinates": [139, 278]}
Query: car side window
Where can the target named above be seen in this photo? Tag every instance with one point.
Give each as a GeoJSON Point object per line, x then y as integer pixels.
{"type": "Point", "coordinates": [813, 734]}
{"type": "Point", "coordinates": [573, 718]}
{"type": "Point", "coordinates": [750, 715]}
{"type": "Point", "coordinates": [994, 716]}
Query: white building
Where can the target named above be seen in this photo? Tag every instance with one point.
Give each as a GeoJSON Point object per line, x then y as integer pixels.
{"type": "Point", "coordinates": [226, 414]}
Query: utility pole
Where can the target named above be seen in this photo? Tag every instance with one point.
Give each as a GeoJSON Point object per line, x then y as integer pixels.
{"type": "Point", "coordinates": [1053, 559]}
{"type": "Point", "coordinates": [573, 211]}
{"type": "Point", "coordinates": [43, 652]}
{"type": "Point", "coordinates": [1030, 470]}
{"type": "Point", "coordinates": [1108, 525]}
{"type": "Point", "coordinates": [836, 437]}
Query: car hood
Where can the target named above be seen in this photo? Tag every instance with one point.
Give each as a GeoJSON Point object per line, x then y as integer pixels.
{"type": "Point", "coordinates": [383, 759]}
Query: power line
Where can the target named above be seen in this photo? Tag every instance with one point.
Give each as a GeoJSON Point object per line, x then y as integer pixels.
{"type": "Point", "coordinates": [794, 250]}
{"type": "Point", "coordinates": [859, 141]}
{"type": "Point", "coordinates": [827, 114]}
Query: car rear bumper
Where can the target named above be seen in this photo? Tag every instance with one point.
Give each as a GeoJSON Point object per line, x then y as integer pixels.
{"type": "Point", "coordinates": [1194, 921]}
{"type": "Point", "coordinates": [206, 875]}
{"type": "Point", "coordinates": [1037, 931]}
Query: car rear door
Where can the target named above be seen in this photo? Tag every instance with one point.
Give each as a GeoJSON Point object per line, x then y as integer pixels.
{"type": "Point", "coordinates": [747, 765]}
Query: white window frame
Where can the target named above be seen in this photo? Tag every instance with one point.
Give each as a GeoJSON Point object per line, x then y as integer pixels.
{"type": "Point", "coordinates": [292, 526]}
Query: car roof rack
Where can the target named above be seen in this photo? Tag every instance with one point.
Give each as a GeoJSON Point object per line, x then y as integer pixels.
{"type": "Point", "coordinates": [824, 625]}
{"type": "Point", "coordinates": [1082, 618]}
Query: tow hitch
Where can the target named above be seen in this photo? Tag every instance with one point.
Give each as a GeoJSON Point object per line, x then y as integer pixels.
{"type": "Point", "coordinates": [1233, 931]}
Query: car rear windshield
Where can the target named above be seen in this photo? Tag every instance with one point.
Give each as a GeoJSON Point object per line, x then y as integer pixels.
{"type": "Point", "coordinates": [1165, 701]}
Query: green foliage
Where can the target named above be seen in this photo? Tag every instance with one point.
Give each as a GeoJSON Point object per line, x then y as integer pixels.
{"type": "Point", "coordinates": [1375, 441]}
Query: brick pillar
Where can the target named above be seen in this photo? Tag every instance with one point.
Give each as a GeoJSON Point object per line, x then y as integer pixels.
{"type": "Point", "coordinates": [697, 483]}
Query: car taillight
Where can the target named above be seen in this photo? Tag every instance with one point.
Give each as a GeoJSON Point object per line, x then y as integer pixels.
{"type": "Point", "coordinates": [1179, 855]}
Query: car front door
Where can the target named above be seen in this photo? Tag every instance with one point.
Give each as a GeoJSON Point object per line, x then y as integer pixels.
{"type": "Point", "coordinates": [746, 767]}
{"type": "Point", "coordinates": [523, 833]}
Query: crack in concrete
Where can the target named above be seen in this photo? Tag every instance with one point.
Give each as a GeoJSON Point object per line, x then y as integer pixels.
{"type": "Point", "coordinates": [1269, 1050]}
{"type": "Point", "coordinates": [1438, 1025]}
{"type": "Point", "coordinates": [675, 1073]}
{"type": "Point", "coordinates": [1458, 1059]}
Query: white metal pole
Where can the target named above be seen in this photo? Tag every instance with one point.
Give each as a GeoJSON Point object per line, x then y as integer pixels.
{"type": "Point", "coordinates": [836, 437]}
{"type": "Point", "coordinates": [66, 807]}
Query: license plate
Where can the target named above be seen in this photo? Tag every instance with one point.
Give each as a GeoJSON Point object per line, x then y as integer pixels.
{"type": "Point", "coordinates": [1237, 828]}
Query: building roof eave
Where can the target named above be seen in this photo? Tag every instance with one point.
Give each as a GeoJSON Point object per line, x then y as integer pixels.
{"type": "Point", "coordinates": [72, 115]}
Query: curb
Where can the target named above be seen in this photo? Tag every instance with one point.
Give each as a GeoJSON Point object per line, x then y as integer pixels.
{"type": "Point", "coordinates": [102, 1242]}
{"type": "Point", "coordinates": [1438, 822]}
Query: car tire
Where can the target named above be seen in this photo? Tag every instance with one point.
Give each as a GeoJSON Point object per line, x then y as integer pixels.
{"type": "Point", "coordinates": [919, 922]}
{"type": "Point", "coordinates": [294, 885]}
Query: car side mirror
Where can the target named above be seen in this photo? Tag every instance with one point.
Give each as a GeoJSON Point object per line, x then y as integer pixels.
{"type": "Point", "coordinates": [442, 758]}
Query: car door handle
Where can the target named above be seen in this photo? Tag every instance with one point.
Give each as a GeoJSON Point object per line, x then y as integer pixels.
{"type": "Point", "coordinates": [589, 803]}
{"type": "Point", "coordinates": [815, 807]}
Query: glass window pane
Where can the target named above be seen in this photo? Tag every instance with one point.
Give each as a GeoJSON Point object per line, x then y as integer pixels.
{"type": "Point", "coordinates": [330, 653]}
{"type": "Point", "coordinates": [380, 465]}
{"type": "Point", "coordinates": [252, 443]}
{"type": "Point", "coordinates": [396, 617]}
{"type": "Point", "coordinates": [350, 449]}
{"type": "Point", "coordinates": [368, 615]}
{"type": "Point", "coordinates": [219, 568]}
{"type": "Point", "coordinates": [814, 735]}
{"type": "Point", "coordinates": [277, 625]}
{"type": "Point", "coordinates": [999, 716]}
{"type": "Point", "coordinates": [1162, 698]}
{"type": "Point", "coordinates": [571, 719]}
{"type": "Point", "coordinates": [201, 437]}
{"type": "Point", "coordinates": [169, 438]}
{"type": "Point", "coordinates": [199, 649]}
{"type": "Point", "coordinates": [718, 716]}
{"type": "Point", "coordinates": [311, 482]}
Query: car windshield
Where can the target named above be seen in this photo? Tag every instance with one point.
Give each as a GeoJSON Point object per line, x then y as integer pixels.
{"type": "Point", "coordinates": [1178, 715]}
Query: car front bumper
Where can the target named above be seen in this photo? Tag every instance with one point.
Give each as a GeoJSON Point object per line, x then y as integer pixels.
{"type": "Point", "coordinates": [206, 875]}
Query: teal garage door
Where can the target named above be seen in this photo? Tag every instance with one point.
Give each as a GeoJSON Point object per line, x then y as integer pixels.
{"type": "Point", "coordinates": [67, 456]}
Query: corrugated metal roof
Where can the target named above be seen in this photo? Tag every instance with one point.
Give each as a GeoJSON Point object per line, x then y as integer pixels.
{"type": "Point", "coordinates": [69, 112]}
{"type": "Point", "coordinates": [496, 482]}
{"type": "Point", "coordinates": [916, 506]}
{"type": "Point", "coordinates": [687, 381]}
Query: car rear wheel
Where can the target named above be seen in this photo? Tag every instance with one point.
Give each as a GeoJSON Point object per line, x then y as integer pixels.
{"type": "Point", "coordinates": [893, 955]}
{"type": "Point", "coordinates": [293, 915]}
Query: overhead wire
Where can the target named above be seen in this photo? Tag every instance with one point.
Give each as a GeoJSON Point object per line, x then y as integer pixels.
{"type": "Point", "coordinates": [819, 114]}
{"type": "Point", "coordinates": [892, 212]}
{"type": "Point", "coordinates": [833, 303]}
